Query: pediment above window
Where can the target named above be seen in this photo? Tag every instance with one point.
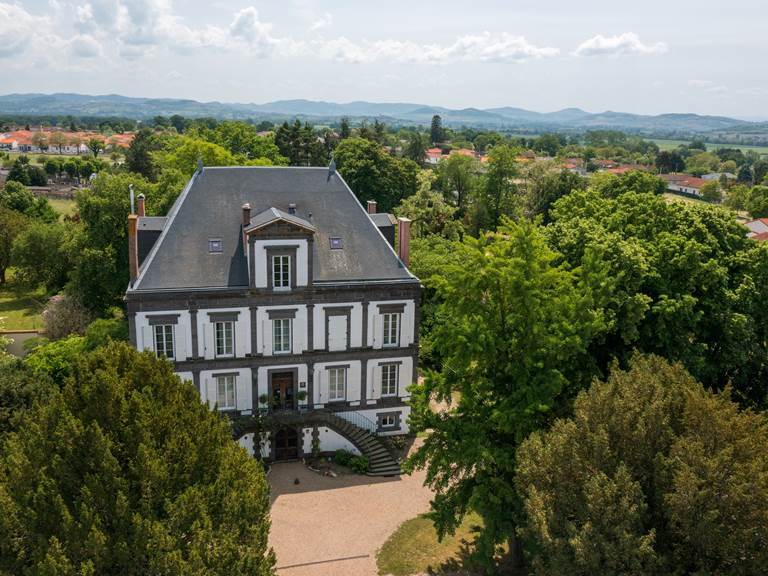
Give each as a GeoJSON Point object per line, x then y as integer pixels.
{"type": "Point", "coordinates": [276, 223]}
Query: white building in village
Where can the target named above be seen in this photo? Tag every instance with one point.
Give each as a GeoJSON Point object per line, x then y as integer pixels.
{"type": "Point", "coordinates": [275, 292]}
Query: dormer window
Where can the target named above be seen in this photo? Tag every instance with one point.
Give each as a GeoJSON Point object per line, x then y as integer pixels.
{"type": "Point", "coordinates": [281, 272]}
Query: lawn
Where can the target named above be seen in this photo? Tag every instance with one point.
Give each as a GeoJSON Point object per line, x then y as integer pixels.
{"type": "Point", "coordinates": [21, 310]}
{"type": "Point", "coordinates": [63, 206]}
{"type": "Point", "coordinates": [414, 549]}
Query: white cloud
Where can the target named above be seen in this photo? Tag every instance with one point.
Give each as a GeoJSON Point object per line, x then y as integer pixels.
{"type": "Point", "coordinates": [626, 43]}
{"type": "Point", "coordinates": [324, 22]}
{"type": "Point", "coordinates": [21, 31]}
{"type": "Point", "coordinates": [484, 47]}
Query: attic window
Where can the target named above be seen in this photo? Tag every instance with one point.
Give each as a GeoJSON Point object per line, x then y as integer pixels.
{"type": "Point", "coordinates": [214, 246]}
{"type": "Point", "coordinates": [336, 243]}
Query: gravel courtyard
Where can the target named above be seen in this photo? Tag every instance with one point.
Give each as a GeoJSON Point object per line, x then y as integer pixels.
{"type": "Point", "coordinates": [334, 526]}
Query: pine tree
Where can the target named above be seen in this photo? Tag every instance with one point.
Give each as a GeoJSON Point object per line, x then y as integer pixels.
{"type": "Point", "coordinates": [436, 130]}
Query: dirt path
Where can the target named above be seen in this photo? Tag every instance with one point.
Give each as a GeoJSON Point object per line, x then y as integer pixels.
{"type": "Point", "coordinates": [334, 526]}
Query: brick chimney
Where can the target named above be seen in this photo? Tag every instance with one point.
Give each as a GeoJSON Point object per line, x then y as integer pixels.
{"type": "Point", "coordinates": [403, 239]}
{"type": "Point", "coordinates": [133, 247]}
{"type": "Point", "coordinates": [371, 206]}
{"type": "Point", "coordinates": [246, 214]}
{"type": "Point", "coordinates": [140, 206]}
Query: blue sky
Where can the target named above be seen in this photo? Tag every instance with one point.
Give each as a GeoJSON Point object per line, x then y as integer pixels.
{"type": "Point", "coordinates": [649, 57]}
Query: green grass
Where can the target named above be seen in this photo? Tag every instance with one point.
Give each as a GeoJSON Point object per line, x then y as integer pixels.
{"type": "Point", "coordinates": [664, 144]}
{"type": "Point", "coordinates": [63, 206]}
{"type": "Point", "coordinates": [21, 310]}
{"type": "Point", "coordinates": [414, 549]}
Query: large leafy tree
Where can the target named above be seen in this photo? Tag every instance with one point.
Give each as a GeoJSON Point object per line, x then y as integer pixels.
{"type": "Point", "coordinates": [126, 472]}
{"type": "Point", "coordinates": [373, 174]}
{"type": "Point", "coordinates": [44, 254]}
{"type": "Point", "coordinates": [651, 475]}
{"type": "Point", "coordinates": [429, 211]}
{"type": "Point", "coordinates": [512, 339]}
{"type": "Point", "coordinates": [498, 196]}
{"type": "Point", "coordinates": [11, 225]}
{"type": "Point", "coordinates": [20, 388]}
{"type": "Point", "coordinates": [683, 281]}
{"type": "Point", "coordinates": [138, 156]}
{"type": "Point", "coordinates": [457, 179]}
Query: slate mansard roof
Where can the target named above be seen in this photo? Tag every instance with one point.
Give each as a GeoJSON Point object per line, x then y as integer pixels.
{"type": "Point", "coordinates": [210, 207]}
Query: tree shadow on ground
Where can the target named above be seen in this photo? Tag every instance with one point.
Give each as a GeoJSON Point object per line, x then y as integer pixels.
{"type": "Point", "coordinates": [460, 565]}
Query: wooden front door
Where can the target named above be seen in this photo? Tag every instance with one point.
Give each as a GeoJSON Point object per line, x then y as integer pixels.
{"type": "Point", "coordinates": [283, 393]}
{"type": "Point", "coordinates": [286, 444]}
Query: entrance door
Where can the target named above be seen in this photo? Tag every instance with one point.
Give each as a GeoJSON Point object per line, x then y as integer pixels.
{"type": "Point", "coordinates": [286, 444]}
{"type": "Point", "coordinates": [283, 397]}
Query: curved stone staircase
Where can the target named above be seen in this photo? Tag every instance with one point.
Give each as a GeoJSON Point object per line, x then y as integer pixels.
{"type": "Point", "coordinates": [381, 461]}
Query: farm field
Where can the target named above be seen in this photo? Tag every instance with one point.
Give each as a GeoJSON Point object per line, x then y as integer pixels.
{"type": "Point", "coordinates": [671, 144]}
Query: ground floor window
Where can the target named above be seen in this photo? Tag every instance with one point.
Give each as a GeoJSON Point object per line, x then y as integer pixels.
{"type": "Point", "coordinates": [337, 384]}
{"type": "Point", "coordinates": [388, 421]}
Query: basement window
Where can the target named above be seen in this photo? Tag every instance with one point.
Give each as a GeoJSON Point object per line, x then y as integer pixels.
{"type": "Point", "coordinates": [215, 246]}
{"type": "Point", "coordinates": [336, 243]}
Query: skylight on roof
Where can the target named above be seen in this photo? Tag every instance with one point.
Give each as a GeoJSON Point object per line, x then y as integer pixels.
{"type": "Point", "coordinates": [336, 243]}
{"type": "Point", "coordinates": [215, 246]}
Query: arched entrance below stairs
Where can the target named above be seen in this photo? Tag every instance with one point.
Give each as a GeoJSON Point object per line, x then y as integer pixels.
{"type": "Point", "coordinates": [286, 444]}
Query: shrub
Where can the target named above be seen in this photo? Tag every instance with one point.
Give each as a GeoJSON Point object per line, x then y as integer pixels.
{"type": "Point", "coordinates": [64, 315]}
{"type": "Point", "coordinates": [343, 457]}
{"type": "Point", "coordinates": [359, 464]}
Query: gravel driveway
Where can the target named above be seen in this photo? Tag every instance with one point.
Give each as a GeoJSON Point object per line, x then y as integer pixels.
{"type": "Point", "coordinates": [334, 526]}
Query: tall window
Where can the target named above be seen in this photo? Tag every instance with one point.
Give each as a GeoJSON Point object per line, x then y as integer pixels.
{"type": "Point", "coordinates": [281, 336]}
{"type": "Point", "coordinates": [337, 384]}
{"type": "Point", "coordinates": [224, 338]}
{"type": "Point", "coordinates": [389, 379]}
{"type": "Point", "coordinates": [281, 271]}
{"type": "Point", "coordinates": [225, 388]}
{"type": "Point", "coordinates": [391, 329]}
{"type": "Point", "coordinates": [164, 340]}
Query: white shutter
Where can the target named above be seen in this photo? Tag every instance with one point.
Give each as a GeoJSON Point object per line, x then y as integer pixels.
{"type": "Point", "coordinates": [265, 337]}
{"type": "Point", "coordinates": [404, 379]}
{"type": "Point", "coordinates": [406, 327]}
{"type": "Point", "coordinates": [323, 386]}
{"type": "Point", "coordinates": [180, 343]}
{"type": "Point", "coordinates": [211, 393]}
{"type": "Point", "coordinates": [375, 386]}
{"type": "Point", "coordinates": [353, 386]}
{"type": "Point", "coordinates": [242, 394]}
{"type": "Point", "coordinates": [208, 350]}
{"type": "Point", "coordinates": [147, 338]}
{"type": "Point", "coordinates": [376, 336]}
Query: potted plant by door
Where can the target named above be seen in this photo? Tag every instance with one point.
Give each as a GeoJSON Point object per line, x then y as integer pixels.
{"type": "Point", "coordinates": [301, 396]}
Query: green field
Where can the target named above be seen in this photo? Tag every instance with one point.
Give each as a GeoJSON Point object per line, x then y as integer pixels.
{"type": "Point", "coordinates": [63, 206]}
{"type": "Point", "coordinates": [21, 310]}
{"type": "Point", "coordinates": [671, 144]}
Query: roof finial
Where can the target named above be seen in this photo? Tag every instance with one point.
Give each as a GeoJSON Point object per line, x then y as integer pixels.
{"type": "Point", "coordinates": [199, 164]}
{"type": "Point", "coordinates": [331, 168]}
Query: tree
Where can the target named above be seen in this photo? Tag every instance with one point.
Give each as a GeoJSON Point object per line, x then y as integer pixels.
{"type": "Point", "coordinates": [125, 471]}
{"type": "Point", "coordinates": [64, 315]}
{"type": "Point", "coordinates": [58, 140]}
{"type": "Point", "coordinates": [652, 475]}
{"type": "Point", "coordinates": [37, 176]}
{"type": "Point", "coordinates": [186, 151]}
{"type": "Point", "coordinates": [436, 129]}
{"type": "Point", "coordinates": [548, 143]}
{"type": "Point", "coordinates": [757, 204]}
{"type": "Point", "coordinates": [682, 284]}
{"type": "Point", "coordinates": [670, 161]}
{"type": "Point", "coordinates": [458, 179]}
{"type": "Point", "coordinates": [40, 140]}
{"type": "Point", "coordinates": [513, 337]}
{"type": "Point", "coordinates": [760, 171]}
{"type": "Point", "coordinates": [43, 255]}
{"type": "Point", "coordinates": [416, 149]}
{"type": "Point", "coordinates": [711, 192]}
{"type": "Point", "coordinates": [11, 225]}
{"type": "Point", "coordinates": [15, 196]}
{"type": "Point", "coordinates": [372, 174]}
{"type": "Point", "coordinates": [545, 184]}
{"type": "Point", "coordinates": [19, 389]}
{"type": "Point", "coordinates": [138, 156]}
{"type": "Point", "coordinates": [344, 129]}
{"type": "Point", "coordinates": [614, 185]}
{"type": "Point", "coordinates": [428, 210]}
{"type": "Point", "coordinates": [499, 195]}
{"type": "Point", "coordinates": [18, 173]}
{"type": "Point", "coordinates": [300, 145]}
{"type": "Point", "coordinates": [95, 145]}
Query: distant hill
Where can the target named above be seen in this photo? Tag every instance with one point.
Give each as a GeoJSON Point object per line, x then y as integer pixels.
{"type": "Point", "coordinates": [506, 117]}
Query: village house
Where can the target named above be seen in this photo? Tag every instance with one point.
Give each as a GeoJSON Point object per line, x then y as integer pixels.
{"type": "Point", "coordinates": [276, 293]}
{"type": "Point", "coordinates": [683, 183]}
{"type": "Point", "coordinates": [433, 156]}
